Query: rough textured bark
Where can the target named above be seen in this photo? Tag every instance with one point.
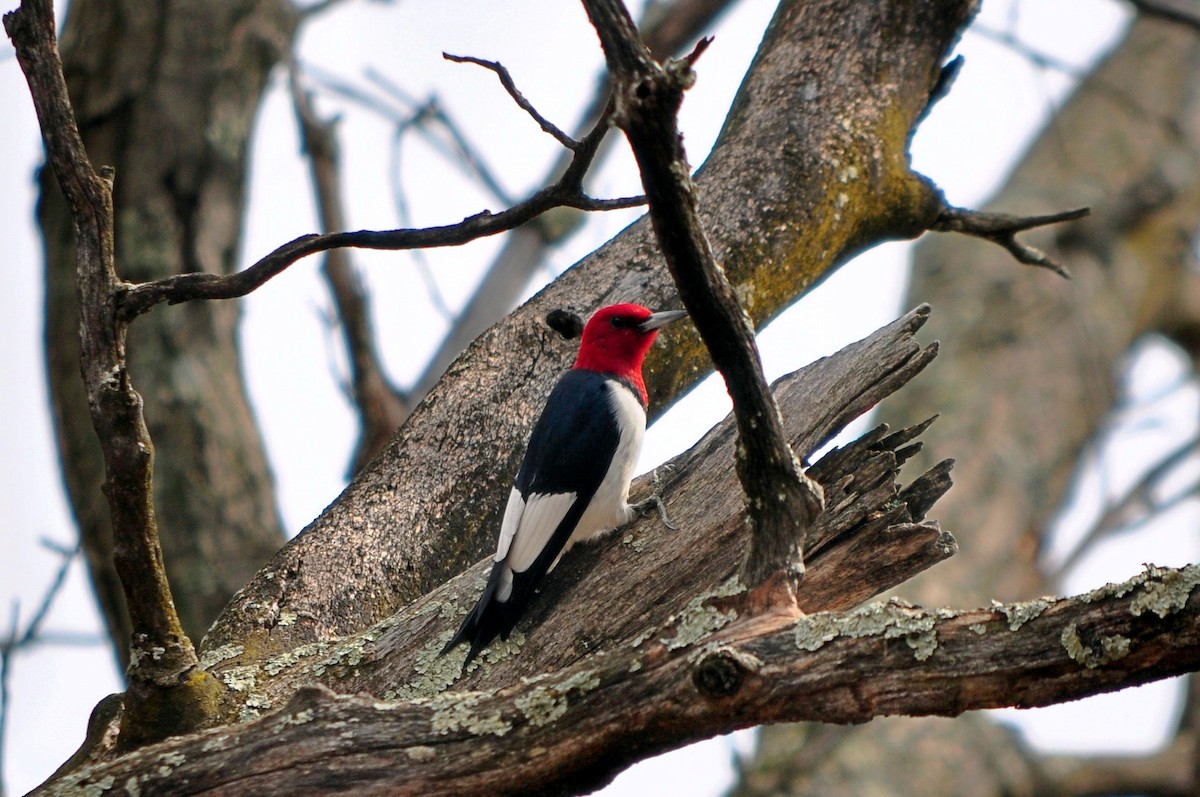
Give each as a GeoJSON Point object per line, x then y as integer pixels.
{"type": "Point", "coordinates": [1028, 375]}
{"type": "Point", "coordinates": [166, 93]}
{"type": "Point", "coordinates": [727, 658]}
{"type": "Point", "coordinates": [570, 731]}
{"type": "Point", "coordinates": [426, 510]}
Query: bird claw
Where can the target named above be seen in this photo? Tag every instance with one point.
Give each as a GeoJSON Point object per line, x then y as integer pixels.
{"type": "Point", "coordinates": [654, 502]}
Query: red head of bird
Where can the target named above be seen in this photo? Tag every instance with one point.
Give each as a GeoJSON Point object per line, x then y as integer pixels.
{"type": "Point", "coordinates": [617, 338]}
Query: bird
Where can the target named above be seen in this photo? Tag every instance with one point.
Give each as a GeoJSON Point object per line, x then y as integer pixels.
{"type": "Point", "coordinates": [573, 483]}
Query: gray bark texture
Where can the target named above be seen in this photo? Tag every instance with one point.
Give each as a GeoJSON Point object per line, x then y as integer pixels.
{"type": "Point", "coordinates": [1026, 379]}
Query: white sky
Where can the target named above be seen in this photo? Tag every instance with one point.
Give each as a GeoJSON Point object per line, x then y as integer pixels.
{"type": "Point", "coordinates": [996, 107]}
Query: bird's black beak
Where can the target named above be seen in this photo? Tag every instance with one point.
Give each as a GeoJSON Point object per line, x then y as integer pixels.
{"type": "Point", "coordinates": [661, 319]}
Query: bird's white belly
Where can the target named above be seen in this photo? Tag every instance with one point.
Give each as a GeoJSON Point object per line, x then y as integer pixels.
{"type": "Point", "coordinates": [610, 506]}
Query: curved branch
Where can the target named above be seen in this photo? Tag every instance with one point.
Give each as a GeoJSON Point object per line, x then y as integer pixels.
{"type": "Point", "coordinates": [511, 87]}
{"type": "Point", "coordinates": [567, 192]}
{"type": "Point", "coordinates": [167, 691]}
{"type": "Point", "coordinates": [381, 407]}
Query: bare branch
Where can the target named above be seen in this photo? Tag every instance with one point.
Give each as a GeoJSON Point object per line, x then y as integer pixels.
{"type": "Point", "coordinates": [138, 299]}
{"type": "Point", "coordinates": [1138, 504]}
{"type": "Point", "coordinates": [167, 692]}
{"type": "Point", "coordinates": [18, 640]}
{"type": "Point", "coordinates": [1039, 58]}
{"type": "Point", "coordinates": [782, 501]}
{"type": "Point", "coordinates": [1002, 229]}
{"type": "Point", "coordinates": [511, 87]}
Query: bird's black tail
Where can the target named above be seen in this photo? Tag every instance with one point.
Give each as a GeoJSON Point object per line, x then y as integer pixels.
{"type": "Point", "coordinates": [490, 618]}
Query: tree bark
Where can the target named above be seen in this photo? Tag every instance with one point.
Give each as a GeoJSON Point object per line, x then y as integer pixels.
{"type": "Point", "coordinates": [571, 731]}
{"type": "Point", "coordinates": [167, 95]}
{"type": "Point", "coordinates": [649, 620]}
{"type": "Point", "coordinates": [1027, 378]}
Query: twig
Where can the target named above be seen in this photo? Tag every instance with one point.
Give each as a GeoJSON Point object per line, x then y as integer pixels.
{"type": "Point", "coordinates": [511, 87]}
{"type": "Point", "coordinates": [18, 640]}
{"type": "Point", "coordinates": [782, 503]}
{"type": "Point", "coordinates": [567, 192]}
{"type": "Point", "coordinates": [1039, 58]}
{"type": "Point", "coordinates": [381, 407]}
{"type": "Point", "coordinates": [1002, 229]}
{"type": "Point", "coordinates": [460, 151]}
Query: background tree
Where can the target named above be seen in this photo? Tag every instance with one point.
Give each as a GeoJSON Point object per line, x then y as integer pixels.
{"type": "Point", "coordinates": [1038, 375]}
{"type": "Point", "coordinates": [383, 609]}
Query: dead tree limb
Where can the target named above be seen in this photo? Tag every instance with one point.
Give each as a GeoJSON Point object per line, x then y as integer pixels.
{"type": "Point", "coordinates": [380, 406]}
{"type": "Point", "coordinates": [167, 692]}
{"type": "Point", "coordinates": [572, 730]}
{"type": "Point", "coordinates": [782, 502]}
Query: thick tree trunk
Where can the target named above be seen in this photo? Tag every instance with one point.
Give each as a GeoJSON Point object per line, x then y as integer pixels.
{"type": "Point", "coordinates": [167, 94]}
{"type": "Point", "coordinates": [1027, 376]}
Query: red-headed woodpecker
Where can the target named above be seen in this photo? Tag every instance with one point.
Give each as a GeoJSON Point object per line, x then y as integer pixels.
{"type": "Point", "coordinates": [574, 482]}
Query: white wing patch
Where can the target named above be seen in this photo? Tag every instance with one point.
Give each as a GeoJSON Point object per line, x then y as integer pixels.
{"type": "Point", "coordinates": [508, 526]}
{"type": "Point", "coordinates": [532, 528]}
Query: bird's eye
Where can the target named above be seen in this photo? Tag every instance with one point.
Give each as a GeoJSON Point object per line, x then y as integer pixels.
{"type": "Point", "coordinates": [621, 322]}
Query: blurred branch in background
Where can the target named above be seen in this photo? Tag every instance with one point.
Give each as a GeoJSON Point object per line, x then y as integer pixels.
{"type": "Point", "coordinates": [381, 407]}
{"type": "Point", "coordinates": [18, 640]}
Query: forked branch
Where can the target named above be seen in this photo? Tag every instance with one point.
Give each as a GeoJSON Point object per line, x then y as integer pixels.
{"type": "Point", "coordinates": [166, 687]}
{"type": "Point", "coordinates": [781, 501]}
{"type": "Point", "coordinates": [1002, 229]}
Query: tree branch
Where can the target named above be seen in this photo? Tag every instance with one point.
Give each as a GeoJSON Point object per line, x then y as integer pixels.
{"type": "Point", "coordinates": [1137, 505]}
{"type": "Point", "coordinates": [567, 192]}
{"type": "Point", "coordinates": [511, 87]}
{"type": "Point", "coordinates": [782, 501]}
{"type": "Point", "coordinates": [1002, 229]}
{"type": "Point", "coordinates": [873, 537]}
{"type": "Point", "coordinates": [573, 730]}
{"type": "Point", "coordinates": [167, 692]}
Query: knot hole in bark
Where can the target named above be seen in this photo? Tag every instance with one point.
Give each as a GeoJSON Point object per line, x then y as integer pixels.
{"type": "Point", "coordinates": [721, 674]}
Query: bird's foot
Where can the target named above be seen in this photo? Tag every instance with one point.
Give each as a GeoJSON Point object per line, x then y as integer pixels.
{"type": "Point", "coordinates": [655, 503]}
